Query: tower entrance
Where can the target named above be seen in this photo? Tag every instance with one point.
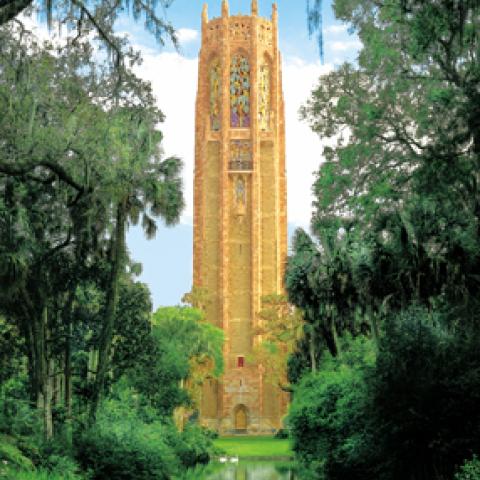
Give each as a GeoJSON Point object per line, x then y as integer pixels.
{"type": "Point", "coordinates": [241, 418]}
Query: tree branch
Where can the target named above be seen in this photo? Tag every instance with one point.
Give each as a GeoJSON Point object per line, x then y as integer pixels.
{"type": "Point", "coordinates": [59, 171]}
{"type": "Point", "coordinates": [10, 9]}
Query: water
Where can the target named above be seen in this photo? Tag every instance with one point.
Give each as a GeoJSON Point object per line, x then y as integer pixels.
{"type": "Point", "coordinates": [244, 470]}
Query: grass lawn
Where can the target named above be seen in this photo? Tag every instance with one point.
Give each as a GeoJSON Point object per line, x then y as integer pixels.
{"type": "Point", "coordinates": [254, 446]}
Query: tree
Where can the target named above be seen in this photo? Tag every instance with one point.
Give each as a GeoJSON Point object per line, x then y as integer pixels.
{"type": "Point", "coordinates": [187, 350]}
{"type": "Point", "coordinates": [280, 327]}
{"type": "Point", "coordinates": [396, 253]}
{"type": "Point", "coordinates": [396, 201]}
{"type": "Point", "coordinates": [82, 17]}
{"type": "Point", "coordinates": [72, 176]}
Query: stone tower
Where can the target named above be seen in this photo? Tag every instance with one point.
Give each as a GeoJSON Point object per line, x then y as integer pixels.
{"type": "Point", "coordinates": [240, 226]}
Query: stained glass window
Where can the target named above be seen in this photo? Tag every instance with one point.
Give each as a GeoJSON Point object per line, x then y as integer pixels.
{"type": "Point", "coordinates": [240, 155]}
{"type": "Point", "coordinates": [240, 92]}
{"type": "Point", "coordinates": [240, 191]}
{"type": "Point", "coordinates": [215, 95]}
{"type": "Point", "coordinates": [264, 97]}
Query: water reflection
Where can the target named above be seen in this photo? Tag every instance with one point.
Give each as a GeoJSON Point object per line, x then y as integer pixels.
{"type": "Point", "coordinates": [253, 471]}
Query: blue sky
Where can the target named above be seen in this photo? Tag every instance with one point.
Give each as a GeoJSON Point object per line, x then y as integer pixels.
{"type": "Point", "coordinates": [167, 260]}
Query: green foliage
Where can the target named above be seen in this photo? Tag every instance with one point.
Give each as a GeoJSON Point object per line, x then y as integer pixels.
{"type": "Point", "coordinates": [192, 446]}
{"type": "Point", "coordinates": [56, 456]}
{"type": "Point", "coordinates": [132, 326]}
{"type": "Point", "coordinates": [74, 175]}
{"type": "Point", "coordinates": [12, 456]}
{"type": "Point", "coordinates": [17, 417]}
{"type": "Point", "coordinates": [184, 347]}
{"type": "Point", "coordinates": [130, 441]}
{"type": "Point", "coordinates": [185, 326]}
{"type": "Point", "coordinates": [327, 415]}
{"type": "Point", "coordinates": [110, 455]}
{"type": "Point", "coordinates": [399, 413]}
{"type": "Point", "coordinates": [423, 387]}
{"type": "Point", "coordinates": [395, 254]}
{"type": "Point", "coordinates": [470, 470]}
{"type": "Point", "coordinates": [10, 350]}
{"type": "Point", "coordinates": [282, 434]}
{"type": "Point", "coordinates": [14, 474]}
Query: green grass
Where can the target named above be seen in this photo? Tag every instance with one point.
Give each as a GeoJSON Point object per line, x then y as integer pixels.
{"type": "Point", "coordinates": [254, 446]}
{"type": "Point", "coordinates": [12, 474]}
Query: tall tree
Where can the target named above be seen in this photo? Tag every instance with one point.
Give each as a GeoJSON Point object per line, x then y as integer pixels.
{"type": "Point", "coordinates": [72, 174]}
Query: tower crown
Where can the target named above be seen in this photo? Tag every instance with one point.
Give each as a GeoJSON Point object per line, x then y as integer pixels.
{"type": "Point", "coordinates": [238, 29]}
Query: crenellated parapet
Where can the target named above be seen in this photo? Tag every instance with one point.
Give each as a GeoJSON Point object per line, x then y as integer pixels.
{"type": "Point", "coordinates": [240, 27]}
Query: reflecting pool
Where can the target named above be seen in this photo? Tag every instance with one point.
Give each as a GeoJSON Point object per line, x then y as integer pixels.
{"type": "Point", "coordinates": [244, 470]}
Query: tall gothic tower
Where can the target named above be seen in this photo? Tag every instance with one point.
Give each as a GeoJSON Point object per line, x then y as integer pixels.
{"type": "Point", "coordinates": [240, 230]}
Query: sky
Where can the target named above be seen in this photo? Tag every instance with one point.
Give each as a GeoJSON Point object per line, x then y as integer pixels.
{"type": "Point", "coordinates": [167, 260]}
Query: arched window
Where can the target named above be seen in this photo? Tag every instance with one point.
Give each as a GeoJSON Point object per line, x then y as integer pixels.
{"type": "Point", "coordinates": [239, 92]}
{"type": "Point", "coordinates": [264, 107]}
{"type": "Point", "coordinates": [215, 95]}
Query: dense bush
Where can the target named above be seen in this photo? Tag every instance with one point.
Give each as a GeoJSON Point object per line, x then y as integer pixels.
{"type": "Point", "coordinates": [133, 456]}
{"type": "Point", "coordinates": [192, 446]}
{"type": "Point", "coordinates": [327, 415]}
{"type": "Point", "coordinates": [470, 470]}
{"type": "Point", "coordinates": [425, 392]}
{"type": "Point", "coordinates": [17, 417]}
{"type": "Point", "coordinates": [413, 413]}
{"type": "Point", "coordinates": [12, 456]}
{"type": "Point", "coordinates": [130, 441]}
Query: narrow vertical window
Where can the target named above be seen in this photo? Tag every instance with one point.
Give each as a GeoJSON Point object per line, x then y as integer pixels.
{"type": "Point", "coordinates": [240, 92]}
{"type": "Point", "coordinates": [240, 362]}
{"type": "Point", "coordinates": [215, 95]}
{"type": "Point", "coordinates": [264, 97]}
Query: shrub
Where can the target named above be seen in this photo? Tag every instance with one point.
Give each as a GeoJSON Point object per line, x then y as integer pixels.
{"type": "Point", "coordinates": [56, 457]}
{"type": "Point", "coordinates": [108, 454]}
{"type": "Point", "coordinates": [281, 434]}
{"type": "Point", "coordinates": [425, 391]}
{"type": "Point", "coordinates": [17, 417]}
{"type": "Point", "coordinates": [327, 415]}
{"type": "Point", "coordinates": [470, 470]}
{"type": "Point", "coordinates": [12, 456]}
{"type": "Point", "coordinates": [192, 446]}
{"type": "Point", "coordinates": [130, 441]}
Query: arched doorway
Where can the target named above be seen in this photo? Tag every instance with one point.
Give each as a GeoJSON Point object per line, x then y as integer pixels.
{"type": "Point", "coordinates": [241, 417]}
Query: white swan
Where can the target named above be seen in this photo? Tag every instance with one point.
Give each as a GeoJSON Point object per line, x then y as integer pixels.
{"type": "Point", "coordinates": [223, 459]}
{"type": "Point", "coordinates": [234, 459]}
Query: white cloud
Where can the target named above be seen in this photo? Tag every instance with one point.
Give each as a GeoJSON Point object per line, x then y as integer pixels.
{"type": "Point", "coordinates": [186, 35]}
{"type": "Point", "coordinates": [340, 46]}
{"type": "Point", "coordinates": [336, 29]}
{"type": "Point", "coordinates": [304, 148]}
{"type": "Point", "coordinates": [174, 82]}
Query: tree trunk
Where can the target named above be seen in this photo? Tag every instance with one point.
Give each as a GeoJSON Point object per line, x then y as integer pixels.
{"type": "Point", "coordinates": [105, 340]}
{"type": "Point", "coordinates": [67, 367]}
{"type": "Point", "coordinates": [313, 360]}
{"type": "Point", "coordinates": [373, 321]}
{"type": "Point", "coordinates": [43, 370]}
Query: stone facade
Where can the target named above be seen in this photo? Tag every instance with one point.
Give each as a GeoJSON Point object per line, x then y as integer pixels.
{"type": "Point", "coordinates": [240, 225]}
